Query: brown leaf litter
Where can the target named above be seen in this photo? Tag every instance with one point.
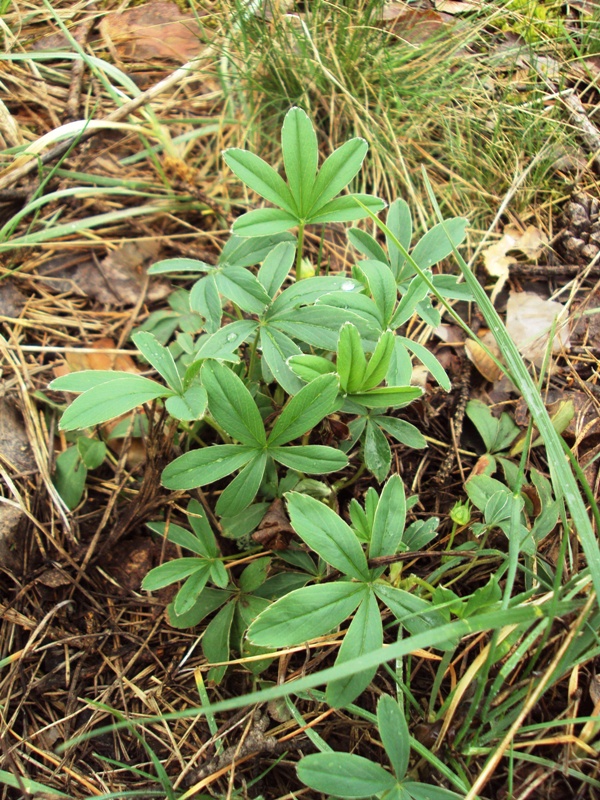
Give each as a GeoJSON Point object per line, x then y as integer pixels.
{"type": "Point", "coordinates": [117, 279]}
{"type": "Point", "coordinates": [156, 30]}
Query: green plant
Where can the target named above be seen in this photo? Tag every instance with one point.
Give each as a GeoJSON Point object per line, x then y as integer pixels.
{"type": "Point", "coordinates": [309, 197]}
{"type": "Point", "coordinates": [348, 775]}
{"type": "Point", "coordinates": [72, 465]}
{"type": "Point", "coordinates": [239, 406]}
{"type": "Point", "coordinates": [354, 587]}
{"type": "Point", "coordinates": [534, 20]}
{"type": "Point", "coordinates": [237, 601]}
{"type": "Point", "coordinates": [328, 342]}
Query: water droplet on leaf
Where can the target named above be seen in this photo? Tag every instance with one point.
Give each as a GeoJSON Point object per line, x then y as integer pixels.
{"type": "Point", "coordinates": [347, 286]}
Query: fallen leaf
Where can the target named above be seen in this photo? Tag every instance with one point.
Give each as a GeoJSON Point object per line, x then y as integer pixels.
{"type": "Point", "coordinates": [561, 415]}
{"type": "Point", "coordinates": [476, 353]}
{"type": "Point", "coordinates": [532, 493]}
{"type": "Point", "coordinates": [413, 25]}
{"type": "Point", "coordinates": [450, 334]}
{"type": "Point", "coordinates": [133, 560]}
{"type": "Point", "coordinates": [116, 280]}
{"type": "Point", "coordinates": [419, 376]}
{"type": "Point", "coordinates": [275, 531]}
{"type": "Point", "coordinates": [119, 277]}
{"type": "Point", "coordinates": [78, 360]}
{"type": "Point", "coordinates": [529, 320]}
{"type": "Point", "coordinates": [531, 242]}
{"type": "Point", "coordinates": [12, 521]}
{"type": "Point", "coordinates": [153, 30]}
{"type": "Point", "coordinates": [585, 421]}
{"type": "Point", "coordinates": [12, 301]}
{"type": "Point", "coordinates": [457, 6]}
{"type": "Point", "coordinates": [589, 464]}
{"type": "Point", "coordinates": [14, 443]}
{"type": "Point", "coordinates": [53, 578]}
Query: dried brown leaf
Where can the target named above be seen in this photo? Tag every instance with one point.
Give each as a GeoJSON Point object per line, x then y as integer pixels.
{"type": "Point", "coordinates": [529, 320]}
{"type": "Point", "coordinates": [53, 578]}
{"type": "Point", "coordinates": [12, 301]}
{"type": "Point", "coordinates": [154, 30]}
{"type": "Point", "coordinates": [11, 536]}
{"type": "Point", "coordinates": [120, 276]}
{"type": "Point", "coordinates": [413, 25]}
{"type": "Point", "coordinates": [476, 353]}
{"type": "Point", "coordinates": [457, 6]}
{"type": "Point", "coordinates": [275, 531]}
{"type": "Point", "coordinates": [116, 280]}
{"type": "Point", "coordinates": [14, 444]}
{"type": "Point", "coordinates": [531, 242]}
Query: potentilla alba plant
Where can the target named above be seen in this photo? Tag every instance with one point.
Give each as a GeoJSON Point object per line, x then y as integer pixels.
{"type": "Point", "coordinates": [258, 363]}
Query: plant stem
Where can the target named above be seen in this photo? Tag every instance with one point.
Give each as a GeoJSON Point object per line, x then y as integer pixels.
{"type": "Point", "coordinates": [345, 482]}
{"type": "Point", "coordinates": [299, 251]}
{"type": "Point", "coordinates": [252, 362]}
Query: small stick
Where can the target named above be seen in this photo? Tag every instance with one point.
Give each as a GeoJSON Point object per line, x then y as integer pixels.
{"type": "Point", "coordinates": [74, 99]}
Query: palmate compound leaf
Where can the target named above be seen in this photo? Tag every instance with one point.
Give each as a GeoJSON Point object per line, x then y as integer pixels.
{"type": "Point", "coordinates": [399, 223]}
{"type": "Point", "coordinates": [388, 396]}
{"type": "Point", "coordinates": [351, 361]}
{"type": "Point", "coordinates": [276, 266]}
{"type": "Point", "coordinates": [171, 572]}
{"type": "Point", "coordinates": [313, 459]}
{"type": "Point", "coordinates": [344, 775]}
{"type": "Point", "coordinates": [388, 523]}
{"type": "Point", "coordinates": [181, 536]}
{"type": "Point", "coordinates": [306, 613]}
{"type": "Point", "coordinates": [367, 245]}
{"type": "Point", "coordinates": [309, 290]}
{"type": "Point", "coordinates": [241, 252]}
{"type": "Point", "coordinates": [346, 209]}
{"type": "Point", "coordinates": [189, 406]}
{"type": "Point", "coordinates": [382, 286]}
{"type": "Point", "coordinates": [439, 242]}
{"type": "Point", "coordinates": [243, 488]}
{"type": "Point", "coordinates": [376, 452]}
{"type": "Point", "coordinates": [379, 362]}
{"type": "Point", "coordinates": [243, 288]}
{"type": "Point", "coordinates": [264, 222]}
{"type": "Point", "coordinates": [86, 379]}
{"type": "Point", "coordinates": [415, 614]}
{"type": "Point", "coordinates": [426, 791]}
{"type": "Point", "coordinates": [192, 587]}
{"type": "Point", "coordinates": [277, 348]}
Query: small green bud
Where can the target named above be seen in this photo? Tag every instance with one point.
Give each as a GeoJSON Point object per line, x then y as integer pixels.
{"type": "Point", "coordinates": [306, 269]}
{"type": "Point", "coordinates": [461, 513]}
